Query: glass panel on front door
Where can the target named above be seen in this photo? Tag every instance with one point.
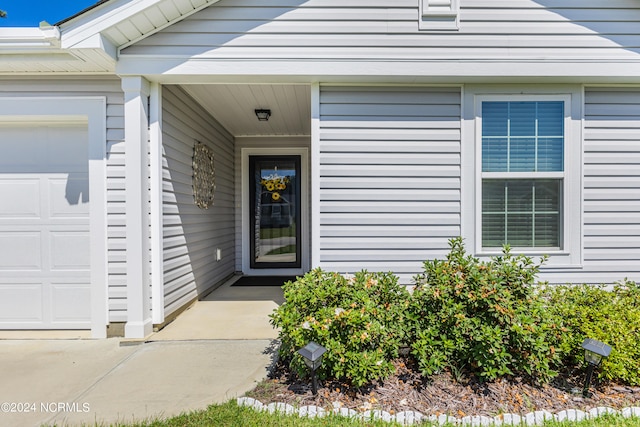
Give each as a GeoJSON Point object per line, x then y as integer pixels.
{"type": "Point", "coordinates": [274, 187]}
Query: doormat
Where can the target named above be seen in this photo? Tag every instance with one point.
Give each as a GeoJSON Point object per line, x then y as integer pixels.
{"type": "Point", "coordinates": [263, 280]}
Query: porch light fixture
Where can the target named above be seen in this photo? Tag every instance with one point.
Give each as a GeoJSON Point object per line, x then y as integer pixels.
{"type": "Point", "coordinates": [594, 352]}
{"type": "Point", "coordinates": [312, 355]}
{"type": "Point", "coordinates": [262, 114]}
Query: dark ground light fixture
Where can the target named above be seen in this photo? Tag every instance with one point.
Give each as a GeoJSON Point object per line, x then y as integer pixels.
{"type": "Point", "coordinates": [312, 355]}
{"type": "Point", "coordinates": [594, 352]}
{"type": "Point", "coordinates": [263, 114]}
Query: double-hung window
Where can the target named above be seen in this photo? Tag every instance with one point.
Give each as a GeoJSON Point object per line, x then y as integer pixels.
{"type": "Point", "coordinates": [523, 173]}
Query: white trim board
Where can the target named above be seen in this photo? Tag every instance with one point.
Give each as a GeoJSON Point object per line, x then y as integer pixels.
{"type": "Point", "coordinates": [315, 175]}
{"type": "Point", "coordinates": [156, 216]}
{"type": "Point", "coordinates": [91, 109]}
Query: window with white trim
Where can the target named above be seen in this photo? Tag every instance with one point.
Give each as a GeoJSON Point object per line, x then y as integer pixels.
{"type": "Point", "coordinates": [522, 174]}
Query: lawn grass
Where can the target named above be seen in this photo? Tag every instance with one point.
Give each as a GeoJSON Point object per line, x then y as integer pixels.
{"type": "Point", "coordinates": [602, 421]}
{"type": "Point", "coordinates": [232, 415]}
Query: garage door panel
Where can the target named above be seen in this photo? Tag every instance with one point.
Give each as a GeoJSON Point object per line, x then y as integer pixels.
{"type": "Point", "coordinates": [69, 196]}
{"type": "Point", "coordinates": [70, 250]}
{"type": "Point", "coordinates": [44, 148]}
{"type": "Point", "coordinates": [69, 303]}
{"type": "Point", "coordinates": [67, 148]}
{"type": "Point", "coordinates": [20, 251]}
{"type": "Point", "coordinates": [23, 148]}
{"type": "Point", "coordinates": [20, 196]}
{"type": "Point", "coordinates": [21, 302]}
{"type": "Point", "coordinates": [45, 246]}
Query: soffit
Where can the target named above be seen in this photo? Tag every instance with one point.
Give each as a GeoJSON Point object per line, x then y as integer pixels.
{"type": "Point", "coordinates": [123, 22]}
{"type": "Point", "coordinates": [233, 106]}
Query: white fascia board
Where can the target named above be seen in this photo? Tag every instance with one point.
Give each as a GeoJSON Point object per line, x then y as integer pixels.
{"type": "Point", "coordinates": [99, 19]}
{"type": "Point", "coordinates": [100, 43]}
{"type": "Point", "coordinates": [205, 70]}
{"type": "Point", "coordinates": [110, 14]}
{"type": "Point", "coordinates": [25, 39]}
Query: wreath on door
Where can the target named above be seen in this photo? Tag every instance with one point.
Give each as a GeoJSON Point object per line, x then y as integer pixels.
{"type": "Point", "coordinates": [274, 184]}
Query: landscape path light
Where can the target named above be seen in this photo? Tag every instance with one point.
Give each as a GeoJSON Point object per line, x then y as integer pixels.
{"type": "Point", "coordinates": [312, 355]}
{"type": "Point", "coordinates": [594, 352]}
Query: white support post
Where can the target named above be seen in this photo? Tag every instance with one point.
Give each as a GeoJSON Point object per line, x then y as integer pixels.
{"type": "Point", "coordinates": [136, 133]}
{"type": "Point", "coordinates": [97, 112]}
{"type": "Point", "coordinates": [155, 157]}
{"type": "Point", "coordinates": [315, 175]}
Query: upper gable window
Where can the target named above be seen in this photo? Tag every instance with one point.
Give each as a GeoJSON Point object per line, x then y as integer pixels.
{"type": "Point", "coordinates": [438, 15]}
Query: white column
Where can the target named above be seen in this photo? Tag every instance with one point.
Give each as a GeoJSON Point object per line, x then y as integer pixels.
{"type": "Point", "coordinates": [315, 175]}
{"type": "Point", "coordinates": [97, 113]}
{"type": "Point", "coordinates": [136, 134]}
{"type": "Point", "coordinates": [155, 157]}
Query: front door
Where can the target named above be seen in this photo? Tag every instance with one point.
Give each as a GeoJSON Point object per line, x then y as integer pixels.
{"type": "Point", "coordinates": [274, 194]}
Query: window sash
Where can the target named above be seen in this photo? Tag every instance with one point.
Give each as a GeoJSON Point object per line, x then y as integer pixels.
{"type": "Point", "coordinates": [522, 154]}
{"type": "Point", "coordinates": [522, 212]}
{"type": "Point", "coordinates": [522, 136]}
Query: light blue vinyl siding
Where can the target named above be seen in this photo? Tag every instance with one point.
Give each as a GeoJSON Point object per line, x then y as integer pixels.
{"type": "Point", "coordinates": [611, 184]}
{"type": "Point", "coordinates": [388, 30]}
{"type": "Point", "coordinates": [389, 176]}
{"type": "Point", "coordinates": [191, 235]}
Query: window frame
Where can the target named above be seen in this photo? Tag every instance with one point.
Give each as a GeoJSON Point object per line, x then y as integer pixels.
{"type": "Point", "coordinates": [570, 252]}
{"type": "Point", "coordinates": [521, 176]}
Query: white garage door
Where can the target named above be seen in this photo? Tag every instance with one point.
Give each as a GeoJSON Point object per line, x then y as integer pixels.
{"type": "Point", "coordinates": [44, 226]}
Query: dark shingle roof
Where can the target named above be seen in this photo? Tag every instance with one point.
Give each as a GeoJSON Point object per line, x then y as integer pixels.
{"type": "Point", "coordinates": [81, 12]}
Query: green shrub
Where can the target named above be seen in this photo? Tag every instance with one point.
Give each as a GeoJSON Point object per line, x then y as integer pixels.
{"type": "Point", "coordinates": [358, 320]}
{"type": "Point", "coordinates": [608, 315]}
{"type": "Point", "coordinates": [481, 317]}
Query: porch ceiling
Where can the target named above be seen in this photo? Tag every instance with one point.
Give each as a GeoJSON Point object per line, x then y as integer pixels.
{"type": "Point", "coordinates": [233, 106]}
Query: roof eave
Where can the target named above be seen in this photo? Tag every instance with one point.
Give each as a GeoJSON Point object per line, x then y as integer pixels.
{"type": "Point", "coordinates": [108, 15]}
{"type": "Point", "coordinates": [29, 39]}
{"type": "Point", "coordinates": [93, 36]}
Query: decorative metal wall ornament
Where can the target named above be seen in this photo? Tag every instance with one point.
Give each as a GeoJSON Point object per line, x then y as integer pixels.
{"type": "Point", "coordinates": [203, 181]}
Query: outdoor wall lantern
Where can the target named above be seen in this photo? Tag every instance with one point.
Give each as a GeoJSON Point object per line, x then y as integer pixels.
{"type": "Point", "coordinates": [312, 355]}
{"type": "Point", "coordinates": [262, 114]}
{"type": "Point", "coordinates": [594, 352]}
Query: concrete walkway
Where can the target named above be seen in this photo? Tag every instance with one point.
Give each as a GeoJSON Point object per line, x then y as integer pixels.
{"type": "Point", "coordinates": [75, 381]}
{"type": "Point", "coordinates": [228, 313]}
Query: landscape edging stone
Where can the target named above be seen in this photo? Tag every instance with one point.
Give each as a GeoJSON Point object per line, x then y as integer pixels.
{"type": "Point", "coordinates": [413, 417]}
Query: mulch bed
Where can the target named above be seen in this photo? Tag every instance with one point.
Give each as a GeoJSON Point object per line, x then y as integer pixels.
{"type": "Point", "coordinates": [443, 394]}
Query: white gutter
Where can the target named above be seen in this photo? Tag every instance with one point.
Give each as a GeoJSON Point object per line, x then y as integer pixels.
{"type": "Point", "coordinates": [28, 39]}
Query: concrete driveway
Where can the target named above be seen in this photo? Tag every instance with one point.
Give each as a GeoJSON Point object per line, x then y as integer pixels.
{"type": "Point", "coordinates": [75, 381]}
